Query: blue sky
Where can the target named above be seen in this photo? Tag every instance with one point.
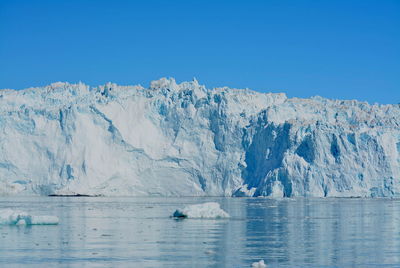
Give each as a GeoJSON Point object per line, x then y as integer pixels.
{"type": "Point", "coordinates": [335, 49]}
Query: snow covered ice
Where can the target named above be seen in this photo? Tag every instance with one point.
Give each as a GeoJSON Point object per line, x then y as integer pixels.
{"type": "Point", "coordinates": [186, 140]}
{"type": "Point", "coordinates": [15, 217]}
{"type": "Point", "coordinates": [209, 210]}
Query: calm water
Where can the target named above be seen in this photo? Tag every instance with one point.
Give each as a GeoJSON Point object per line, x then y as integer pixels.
{"type": "Point", "coordinates": [137, 232]}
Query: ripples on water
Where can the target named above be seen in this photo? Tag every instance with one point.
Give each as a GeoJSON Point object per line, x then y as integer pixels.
{"type": "Point", "coordinates": [137, 232]}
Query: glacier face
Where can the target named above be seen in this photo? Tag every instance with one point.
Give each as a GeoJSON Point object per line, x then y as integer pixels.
{"type": "Point", "coordinates": [185, 140]}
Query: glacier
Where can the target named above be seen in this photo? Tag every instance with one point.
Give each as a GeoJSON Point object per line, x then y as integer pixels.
{"type": "Point", "coordinates": [186, 140]}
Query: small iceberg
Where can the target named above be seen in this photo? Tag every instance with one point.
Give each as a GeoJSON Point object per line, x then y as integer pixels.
{"type": "Point", "coordinates": [15, 217]}
{"type": "Point", "coordinates": [210, 210]}
{"type": "Point", "coordinates": [259, 264]}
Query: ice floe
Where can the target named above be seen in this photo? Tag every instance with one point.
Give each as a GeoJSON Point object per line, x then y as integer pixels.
{"type": "Point", "coordinates": [206, 210]}
{"type": "Point", "coordinates": [259, 264]}
{"type": "Point", "coordinates": [15, 217]}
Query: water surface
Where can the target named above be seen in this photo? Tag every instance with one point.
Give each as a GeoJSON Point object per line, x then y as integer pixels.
{"type": "Point", "coordinates": [138, 232]}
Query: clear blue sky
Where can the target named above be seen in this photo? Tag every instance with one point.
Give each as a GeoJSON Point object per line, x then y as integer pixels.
{"type": "Point", "coordinates": [335, 49]}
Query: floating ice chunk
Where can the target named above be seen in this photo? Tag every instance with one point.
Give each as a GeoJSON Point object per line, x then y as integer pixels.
{"type": "Point", "coordinates": [210, 252]}
{"type": "Point", "coordinates": [15, 217]}
{"type": "Point", "coordinates": [21, 222]}
{"type": "Point", "coordinates": [44, 220]}
{"type": "Point", "coordinates": [259, 264]}
{"type": "Point", "coordinates": [206, 210]}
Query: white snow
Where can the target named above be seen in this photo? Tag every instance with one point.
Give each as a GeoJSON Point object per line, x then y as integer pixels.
{"type": "Point", "coordinates": [259, 264]}
{"type": "Point", "coordinates": [15, 217]}
{"type": "Point", "coordinates": [186, 140]}
{"type": "Point", "coordinates": [209, 210]}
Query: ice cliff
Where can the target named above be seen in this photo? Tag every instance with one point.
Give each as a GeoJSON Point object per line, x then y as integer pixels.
{"type": "Point", "coordinates": [185, 140]}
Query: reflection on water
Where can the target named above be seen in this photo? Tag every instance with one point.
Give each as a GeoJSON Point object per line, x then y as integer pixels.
{"type": "Point", "coordinates": [137, 232]}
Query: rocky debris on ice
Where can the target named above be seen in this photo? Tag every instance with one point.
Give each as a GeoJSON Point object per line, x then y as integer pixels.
{"type": "Point", "coordinates": [15, 217]}
{"type": "Point", "coordinates": [259, 264]}
{"type": "Point", "coordinates": [210, 210]}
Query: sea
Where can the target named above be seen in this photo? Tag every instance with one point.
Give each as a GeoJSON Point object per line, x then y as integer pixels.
{"type": "Point", "coordinates": [140, 232]}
